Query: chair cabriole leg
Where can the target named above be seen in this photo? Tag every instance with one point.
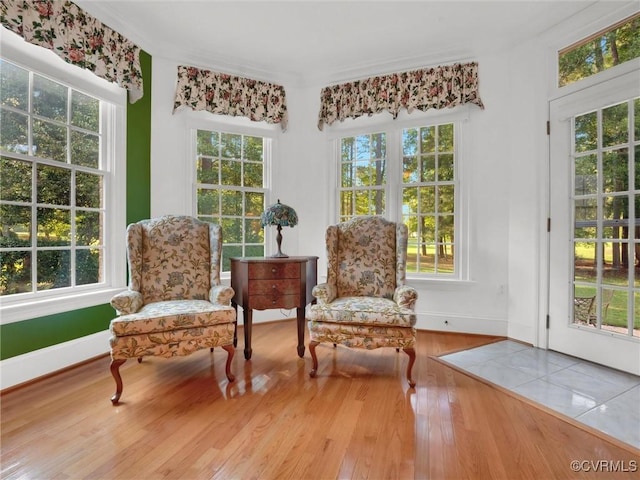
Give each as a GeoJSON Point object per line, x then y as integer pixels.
{"type": "Point", "coordinates": [412, 358]}
{"type": "Point", "coordinates": [115, 371]}
{"type": "Point", "coordinates": [231, 351]}
{"type": "Point", "coordinates": [314, 358]}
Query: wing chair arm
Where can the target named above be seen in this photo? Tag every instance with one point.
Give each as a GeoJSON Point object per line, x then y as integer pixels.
{"type": "Point", "coordinates": [221, 294]}
{"type": "Point", "coordinates": [406, 296]}
{"type": "Point", "coordinates": [324, 293]}
{"type": "Point", "coordinates": [127, 302]}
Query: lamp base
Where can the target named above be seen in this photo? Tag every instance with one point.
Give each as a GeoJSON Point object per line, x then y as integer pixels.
{"type": "Point", "coordinates": [279, 254]}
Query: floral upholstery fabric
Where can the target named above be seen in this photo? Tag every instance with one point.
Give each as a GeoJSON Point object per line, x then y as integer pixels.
{"type": "Point", "coordinates": [170, 259]}
{"type": "Point", "coordinates": [365, 302]}
{"type": "Point", "coordinates": [170, 315]}
{"type": "Point", "coordinates": [363, 311]}
{"type": "Point", "coordinates": [171, 343]}
{"type": "Point", "coordinates": [362, 336]}
{"type": "Point", "coordinates": [175, 303]}
{"type": "Point", "coordinates": [362, 253]}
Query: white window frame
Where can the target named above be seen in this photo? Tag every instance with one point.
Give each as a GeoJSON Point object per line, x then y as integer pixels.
{"type": "Point", "coordinates": [236, 126]}
{"type": "Point", "coordinates": [25, 306]}
{"type": "Point", "coordinates": [393, 189]}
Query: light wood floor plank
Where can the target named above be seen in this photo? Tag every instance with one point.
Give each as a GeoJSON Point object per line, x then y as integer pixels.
{"type": "Point", "coordinates": [181, 419]}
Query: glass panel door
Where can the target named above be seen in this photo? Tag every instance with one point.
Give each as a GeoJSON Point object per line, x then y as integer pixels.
{"type": "Point", "coordinates": [594, 271]}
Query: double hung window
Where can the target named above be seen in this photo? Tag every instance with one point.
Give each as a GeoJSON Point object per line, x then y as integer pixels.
{"type": "Point", "coordinates": [408, 174]}
{"type": "Point", "coordinates": [230, 189]}
{"type": "Point", "coordinates": [58, 150]}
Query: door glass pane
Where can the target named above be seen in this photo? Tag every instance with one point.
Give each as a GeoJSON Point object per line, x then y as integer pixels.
{"type": "Point", "coordinates": [605, 234]}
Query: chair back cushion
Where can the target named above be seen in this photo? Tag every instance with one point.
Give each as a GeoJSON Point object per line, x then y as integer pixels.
{"type": "Point", "coordinates": [362, 257]}
{"type": "Point", "coordinates": [170, 258]}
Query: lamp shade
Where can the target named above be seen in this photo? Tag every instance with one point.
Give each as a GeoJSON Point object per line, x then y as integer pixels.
{"type": "Point", "coordinates": [280, 215]}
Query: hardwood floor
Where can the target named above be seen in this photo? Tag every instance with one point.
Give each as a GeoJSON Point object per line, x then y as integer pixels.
{"type": "Point", "coordinates": [180, 418]}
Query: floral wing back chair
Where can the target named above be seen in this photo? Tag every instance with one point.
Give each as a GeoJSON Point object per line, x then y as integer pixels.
{"type": "Point", "coordinates": [175, 303]}
{"type": "Point", "coordinates": [365, 302]}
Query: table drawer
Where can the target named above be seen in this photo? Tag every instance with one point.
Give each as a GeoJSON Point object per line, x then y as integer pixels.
{"type": "Point", "coordinates": [275, 287]}
{"type": "Point", "coordinates": [274, 270]}
{"type": "Point", "coordinates": [265, 302]}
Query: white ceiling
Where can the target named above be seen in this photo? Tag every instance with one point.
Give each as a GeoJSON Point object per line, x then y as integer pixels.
{"type": "Point", "coordinates": [324, 41]}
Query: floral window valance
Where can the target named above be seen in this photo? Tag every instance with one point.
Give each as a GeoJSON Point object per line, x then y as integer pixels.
{"type": "Point", "coordinates": [230, 95]}
{"type": "Point", "coordinates": [78, 38]}
{"type": "Point", "coordinates": [439, 87]}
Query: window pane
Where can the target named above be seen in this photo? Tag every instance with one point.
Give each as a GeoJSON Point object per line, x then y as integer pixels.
{"type": "Point", "coordinates": [347, 175]}
{"type": "Point", "coordinates": [14, 86]}
{"type": "Point", "coordinates": [409, 200]}
{"type": "Point", "coordinates": [54, 227]}
{"type": "Point", "coordinates": [231, 172]}
{"type": "Point", "coordinates": [615, 125]}
{"type": "Point", "coordinates": [231, 145]}
{"type": "Point", "coordinates": [207, 143]}
{"type": "Point", "coordinates": [15, 180]}
{"type": "Point", "coordinates": [85, 149]}
{"type": "Point", "coordinates": [619, 44]}
{"type": "Point", "coordinates": [636, 116]}
{"type": "Point", "coordinates": [89, 190]}
{"type": "Point", "coordinates": [54, 269]}
{"type": "Point", "coordinates": [410, 142]}
{"type": "Point", "coordinates": [49, 140]}
{"type": "Point", "coordinates": [615, 171]}
{"type": "Point", "coordinates": [88, 263]}
{"type": "Point", "coordinates": [428, 139]}
{"type": "Point", "coordinates": [15, 272]}
{"type": "Point", "coordinates": [253, 149]}
{"type": "Point", "coordinates": [586, 175]}
{"type": "Point", "coordinates": [445, 138]}
{"type": "Point", "coordinates": [428, 168]}
{"type": "Point", "coordinates": [85, 111]}
{"type": "Point", "coordinates": [446, 199]}
{"type": "Point", "coordinates": [208, 170]}
{"type": "Point", "coordinates": [254, 233]}
{"type": "Point", "coordinates": [445, 168]}
{"type": "Point", "coordinates": [410, 169]}
{"type": "Point", "coordinates": [88, 229]}
{"type": "Point", "coordinates": [49, 99]}
{"type": "Point", "coordinates": [14, 128]}
{"type": "Point", "coordinates": [253, 175]}
{"type": "Point", "coordinates": [586, 132]}
{"type": "Point", "coordinates": [254, 204]}
{"type": "Point", "coordinates": [54, 185]}
{"type": "Point", "coordinates": [427, 199]}
{"type": "Point", "coordinates": [208, 202]}
{"type": "Point", "coordinates": [585, 261]}
{"type": "Point", "coordinates": [232, 230]}
{"type": "Point", "coordinates": [231, 202]}
{"type": "Point", "coordinates": [16, 226]}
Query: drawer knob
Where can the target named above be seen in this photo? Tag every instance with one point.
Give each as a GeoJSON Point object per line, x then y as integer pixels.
{"type": "Point", "coordinates": [273, 270]}
{"type": "Point", "coordinates": [273, 286]}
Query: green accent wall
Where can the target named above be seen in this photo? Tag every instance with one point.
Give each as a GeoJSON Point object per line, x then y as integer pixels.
{"type": "Point", "coordinates": [26, 336]}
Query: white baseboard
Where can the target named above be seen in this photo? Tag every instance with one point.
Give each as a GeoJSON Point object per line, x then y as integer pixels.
{"type": "Point", "coordinates": [27, 367]}
{"type": "Point", "coordinates": [23, 368]}
{"type": "Point", "coordinates": [442, 322]}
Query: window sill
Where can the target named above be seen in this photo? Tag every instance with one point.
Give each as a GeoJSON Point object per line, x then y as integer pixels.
{"type": "Point", "coordinates": [17, 311]}
{"type": "Point", "coordinates": [455, 282]}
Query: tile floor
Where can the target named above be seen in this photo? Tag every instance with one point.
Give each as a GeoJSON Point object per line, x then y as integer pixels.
{"type": "Point", "coordinates": [603, 398]}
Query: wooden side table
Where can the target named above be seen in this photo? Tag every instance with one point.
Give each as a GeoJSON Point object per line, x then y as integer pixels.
{"type": "Point", "coordinates": [262, 283]}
